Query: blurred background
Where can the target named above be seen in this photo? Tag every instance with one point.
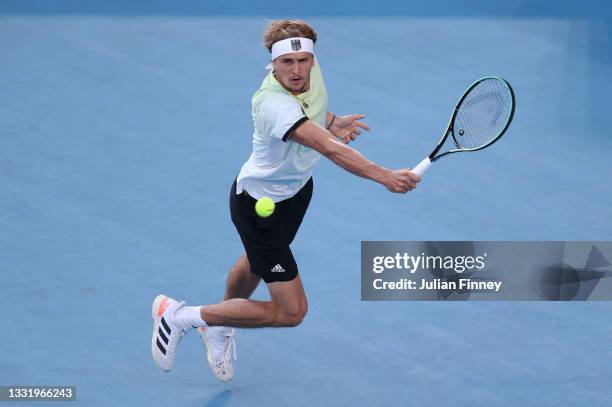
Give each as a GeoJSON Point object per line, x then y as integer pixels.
{"type": "Point", "coordinates": [123, 124]}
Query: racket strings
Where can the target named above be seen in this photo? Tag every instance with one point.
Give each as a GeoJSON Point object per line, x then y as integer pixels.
{"type": "Point", "coordinates": [483, 114]}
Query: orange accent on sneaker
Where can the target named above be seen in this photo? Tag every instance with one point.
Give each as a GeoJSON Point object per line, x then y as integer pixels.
{"type": "Point", "coordinates": [202, 329]}
{"type": "Point", "coordinates": [162, 307]}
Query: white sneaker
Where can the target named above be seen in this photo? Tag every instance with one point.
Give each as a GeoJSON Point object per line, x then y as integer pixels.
{"type": "Point", "coordinates": [220, 350]}
{"type": "Point", "coordinates": [166, 333]}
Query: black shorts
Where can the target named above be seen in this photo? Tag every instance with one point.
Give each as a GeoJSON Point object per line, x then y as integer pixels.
{"type": "Point", "coordinates": [266, 240]}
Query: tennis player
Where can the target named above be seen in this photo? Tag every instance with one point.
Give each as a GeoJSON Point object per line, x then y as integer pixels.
{"type": "Point", "coordinates": [293, 129]}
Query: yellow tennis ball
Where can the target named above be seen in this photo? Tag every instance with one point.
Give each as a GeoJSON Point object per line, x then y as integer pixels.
{"type": "Point", "coordinates": [264, 207]}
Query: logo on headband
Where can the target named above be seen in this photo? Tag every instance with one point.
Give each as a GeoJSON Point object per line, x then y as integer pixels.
{"type": "Point", "coordinates": [296, 45]}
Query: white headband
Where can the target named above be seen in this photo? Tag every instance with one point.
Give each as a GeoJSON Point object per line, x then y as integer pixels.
{"type": "Point", "coordinates": [290, 45]}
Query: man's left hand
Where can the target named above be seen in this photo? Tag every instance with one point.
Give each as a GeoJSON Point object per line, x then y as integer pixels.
{"type": "Point", "coordinates": [348, 127]}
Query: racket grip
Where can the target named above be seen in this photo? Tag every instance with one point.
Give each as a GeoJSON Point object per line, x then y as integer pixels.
{"type": "Point", "coordinates": [422, 167]}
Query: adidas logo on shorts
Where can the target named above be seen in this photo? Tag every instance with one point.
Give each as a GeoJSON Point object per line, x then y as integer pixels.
{"type": "Point", "coordinates": [278, 269]}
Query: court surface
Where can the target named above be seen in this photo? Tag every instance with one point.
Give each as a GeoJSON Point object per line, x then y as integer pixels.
{"type": "Point", "coordinates": [121, 131]}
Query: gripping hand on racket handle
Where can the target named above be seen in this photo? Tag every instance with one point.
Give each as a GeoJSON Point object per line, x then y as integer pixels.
{"type": "Point", "coordinates": [400, 181]}
{"type": "Point", "coordinates": [311, 134]}
{"type": "Point", "coordinates": [422, 167]}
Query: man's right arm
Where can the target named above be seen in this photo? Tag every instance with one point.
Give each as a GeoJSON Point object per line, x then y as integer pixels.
{"type": "Point", "coordinates": [314, 136]}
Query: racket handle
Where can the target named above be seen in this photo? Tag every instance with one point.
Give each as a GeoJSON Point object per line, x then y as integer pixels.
{"type": "Point", "coordinates": [422, 167]}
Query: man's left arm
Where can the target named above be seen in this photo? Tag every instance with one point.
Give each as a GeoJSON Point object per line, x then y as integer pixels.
{"type": "Point", "coordinates": [345, 128]}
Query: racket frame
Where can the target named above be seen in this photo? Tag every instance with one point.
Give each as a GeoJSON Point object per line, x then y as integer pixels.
{"type": "Point", "coordinates": [450, 131]}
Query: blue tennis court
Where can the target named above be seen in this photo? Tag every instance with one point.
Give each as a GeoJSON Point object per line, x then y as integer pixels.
{"type": "Point", "coordinates": [123, 126]}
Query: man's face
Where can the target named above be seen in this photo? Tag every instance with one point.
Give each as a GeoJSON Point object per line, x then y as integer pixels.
{"type": "Point", "coordinates": [293, 71]}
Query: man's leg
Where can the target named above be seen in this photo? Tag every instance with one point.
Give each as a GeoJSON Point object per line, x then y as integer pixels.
{"type": "Point", "coordinates": [241, 282]}
{"type": "Point", "coordinates": [287, 307]}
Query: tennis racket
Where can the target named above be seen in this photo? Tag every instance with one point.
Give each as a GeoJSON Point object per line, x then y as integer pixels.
{"type": "Point", "coordinates": [480, 118]}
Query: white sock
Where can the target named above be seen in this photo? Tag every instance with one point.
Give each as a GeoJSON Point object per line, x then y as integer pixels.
{"type": "Point", "coordinates": [189, 317]}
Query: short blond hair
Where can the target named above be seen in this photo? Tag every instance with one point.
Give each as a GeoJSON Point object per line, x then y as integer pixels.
{"type": "Point", "coordinates": [279, 30]}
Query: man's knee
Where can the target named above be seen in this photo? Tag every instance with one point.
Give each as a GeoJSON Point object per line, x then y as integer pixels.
{"type": "Point", "coordinates": [290, 317]}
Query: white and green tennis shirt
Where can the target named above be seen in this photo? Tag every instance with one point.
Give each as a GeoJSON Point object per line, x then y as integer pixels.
{"type": "Point", "coordinates": [279, 167]}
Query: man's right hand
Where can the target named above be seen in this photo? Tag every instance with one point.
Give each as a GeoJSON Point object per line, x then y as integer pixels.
{"type": "Point", "coordinates": [312, 135]}
{"type": "Point", "coordinates": [400, 181]}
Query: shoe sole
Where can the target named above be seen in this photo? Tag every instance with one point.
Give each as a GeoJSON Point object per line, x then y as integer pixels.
{"type": "Point", "coordinates": [155, 311]}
